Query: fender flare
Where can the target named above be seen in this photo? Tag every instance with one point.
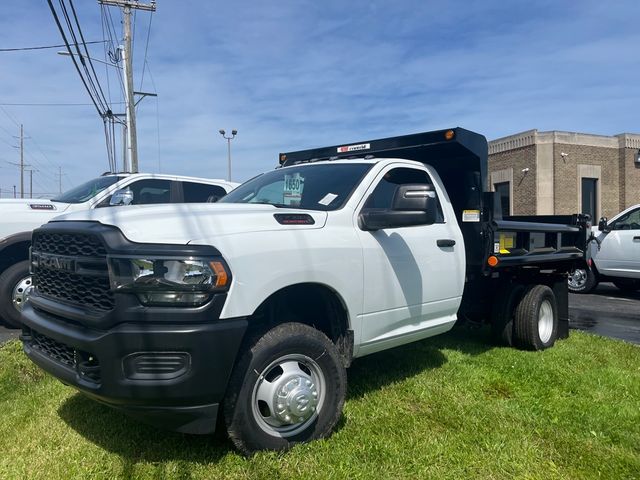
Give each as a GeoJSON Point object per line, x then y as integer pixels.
{"type": "Point", "coordinates": [10, 241]}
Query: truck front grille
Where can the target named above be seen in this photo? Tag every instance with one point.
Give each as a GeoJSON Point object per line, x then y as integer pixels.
{"type": "Point", "coordinates": [57, 351]}
{"type": "Point", "coordinates": [72, 244]}
{"type": "Point", "coordinates": [88, 291]}
{"type": "Point", "coordinates": [86, 365]}
{"type": "Point", "coordinates": [72, 269]}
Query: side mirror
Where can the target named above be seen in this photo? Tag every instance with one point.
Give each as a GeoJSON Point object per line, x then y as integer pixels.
{"type": "Point", "coordinates": [602, 225]}
{"type": "Point", "coordinates": [416, 198]}
{"type": "Point", "coordinates": [122, 197]}
{"type": "Point", "coordinates": [412, 205]}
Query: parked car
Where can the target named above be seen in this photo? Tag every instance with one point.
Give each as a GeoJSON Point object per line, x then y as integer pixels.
{"type": "Point", "coordinates": [253, 307]}
{"type": "Point", "coordinates": [20, 216]}
{"type": "Point", "coordinates": [614, 254]}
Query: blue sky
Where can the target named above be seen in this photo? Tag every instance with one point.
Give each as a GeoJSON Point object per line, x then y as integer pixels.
{"type": "Point", "coordinates": [291, 75]}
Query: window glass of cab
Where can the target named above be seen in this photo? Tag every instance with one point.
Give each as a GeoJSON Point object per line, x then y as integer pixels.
{"type": "Point", "coordinates": [629, 221]}
{"type": "Point", "coordinates": [382, 196]}
{"type": "Point", "coordinates": [314, 187]}
{"type": "Point", "coordinates": [202, 192]}
{"type": "Point", "coordinates": [87, 190]}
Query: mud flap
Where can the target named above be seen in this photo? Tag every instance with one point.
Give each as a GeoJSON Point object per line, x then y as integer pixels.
{"type": "Point", "coordinates": [561, 292]}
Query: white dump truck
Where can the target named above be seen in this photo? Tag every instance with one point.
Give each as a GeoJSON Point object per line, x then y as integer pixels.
{"type": "Point", "coordinates": [251, 309]}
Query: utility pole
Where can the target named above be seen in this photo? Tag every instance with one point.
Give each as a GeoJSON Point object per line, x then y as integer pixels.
{"type": "Point", "coordinates": [127, 60]}
{"type": "Point", "coordinates": [21, 164]}
{"type": "Point", "coordinates": [31, 182]}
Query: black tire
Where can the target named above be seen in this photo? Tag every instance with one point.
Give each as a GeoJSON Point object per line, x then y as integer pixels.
{"type": "Point", "coordinates": [502, 314]}
{"type": "Point", "coordinates": [8, 282]}
{"type": "Point", "coordinates": [627, 285]}
{"type": "Point", "coordinates": [531, 332]}
{"type": "Point", "coordinates": [582, 280]}
{"type": "Point", "coordinates": [246, 418]}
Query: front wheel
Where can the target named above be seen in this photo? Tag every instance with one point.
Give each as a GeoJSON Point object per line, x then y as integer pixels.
{"type": "Point", "coordinates": [627, 285]}
{"type": "Point", "coordinates": [15, 284]}
{"type": "Point", "coordinates": [288, 387]}
{"type": "Point", "coordinates": [536, 319]}
{"type": "Point", "coordinates": [582, 280]}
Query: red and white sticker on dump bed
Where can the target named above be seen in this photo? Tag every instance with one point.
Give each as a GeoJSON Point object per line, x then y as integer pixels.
{"type": "Point", "coordinates": [354, 148]}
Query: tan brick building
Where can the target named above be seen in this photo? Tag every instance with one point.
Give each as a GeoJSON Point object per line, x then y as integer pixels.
{"type": "Point", "coordinates": [555, 173]}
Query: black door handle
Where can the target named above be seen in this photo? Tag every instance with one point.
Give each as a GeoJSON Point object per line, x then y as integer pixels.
{"type": "Point", "coordinates": [636, 238]}
{"type": "Point", "coordinates": [446, 243]}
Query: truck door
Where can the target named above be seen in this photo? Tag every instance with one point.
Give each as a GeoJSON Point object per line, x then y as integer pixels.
{"type": "Point", "coordinates": [619, 254]}
{"type": "Point", "coordinates": [413, 276]}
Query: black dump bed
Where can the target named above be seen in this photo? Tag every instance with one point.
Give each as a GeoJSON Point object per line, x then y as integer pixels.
{"type": "Point", "coordinates": [460, 158]}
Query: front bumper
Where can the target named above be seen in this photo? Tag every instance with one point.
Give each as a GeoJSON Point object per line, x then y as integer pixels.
{"type": "Point", "coordinates": [173, 375]}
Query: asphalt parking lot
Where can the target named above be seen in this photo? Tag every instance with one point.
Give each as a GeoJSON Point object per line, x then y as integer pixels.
{"type": "Point", "coordinates": [606, 311]}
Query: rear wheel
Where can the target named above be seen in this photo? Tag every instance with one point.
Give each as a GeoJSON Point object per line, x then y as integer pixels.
{"type": "Point", "coordinates": [15, 284]}
{"type": "Point", "coordinates": [582, 280]}
{"type": "Point", "coordinates": [288, 387]}
{"type": "Point", "coordinates": [536, 319]}
{"type": "Point", "coordinates": [627, 284]}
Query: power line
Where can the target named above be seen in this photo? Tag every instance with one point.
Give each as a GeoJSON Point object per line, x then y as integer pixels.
{"type": "Point", "coordinates": [21, 49]}
{"type": "Point", "coordinates": [51, 104]}
{"type": "Point", "coordinates": [10, 117]}
{"type": "Point", "coordinates": [83, 61]}
{"type": "Point", "coordinates": [75, 63]}
{"type": "Point", "coordinates": [86, 49]}
{"type": "Point", "coordinates": [146, 47]}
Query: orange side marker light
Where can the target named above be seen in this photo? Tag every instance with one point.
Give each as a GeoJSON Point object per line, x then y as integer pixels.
{"type": "Point", "coordinates": [221, 274]}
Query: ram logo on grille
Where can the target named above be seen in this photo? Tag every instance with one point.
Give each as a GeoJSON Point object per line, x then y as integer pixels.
{"type": "Point", "coordinates": [53, 262]}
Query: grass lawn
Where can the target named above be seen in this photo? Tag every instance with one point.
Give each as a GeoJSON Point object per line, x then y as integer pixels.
{"type": "Point", "coordinates": [448, 407]}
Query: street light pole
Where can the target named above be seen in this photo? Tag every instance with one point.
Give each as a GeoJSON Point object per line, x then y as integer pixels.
{"type": "Point", "coordinates": [234, 132]}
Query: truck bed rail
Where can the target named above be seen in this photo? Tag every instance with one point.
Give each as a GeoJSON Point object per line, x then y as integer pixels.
{"type": "Point", "coordinates": [520, 241]}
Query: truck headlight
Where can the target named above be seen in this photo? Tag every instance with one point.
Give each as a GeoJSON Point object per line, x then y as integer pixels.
{"type": "Point", "coordinates": [169, 281]}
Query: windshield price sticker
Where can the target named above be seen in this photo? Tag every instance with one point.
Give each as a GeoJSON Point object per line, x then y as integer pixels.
{"type": "Point", "coordinates": [327, 199]}
{"type": "Point", "coordinates": [471, 215]}
{"type": "Point", "coordinates": [354, 148]}
{"type": "Point", "coordinates": [293, 187]}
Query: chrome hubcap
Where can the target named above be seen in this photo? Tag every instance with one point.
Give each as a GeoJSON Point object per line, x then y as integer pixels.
{"type": "Point", "coordinates": [21, 293]}
{"type": "Point", "coordinates": [288, 395]}
{"type": "Point", "coordinates": [545, 321]}
{"type": "Point", "coordinates": [578, 278]}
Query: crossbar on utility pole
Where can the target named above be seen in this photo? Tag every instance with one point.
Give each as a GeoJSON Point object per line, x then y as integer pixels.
{"type": "Point", "coordinates": [127, 60]}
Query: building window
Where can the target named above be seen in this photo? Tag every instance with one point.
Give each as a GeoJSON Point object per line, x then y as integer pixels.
{"type": "Point", "coordinates": [503, 193]}
{"type": "Point", "coordinates": [590, 197]}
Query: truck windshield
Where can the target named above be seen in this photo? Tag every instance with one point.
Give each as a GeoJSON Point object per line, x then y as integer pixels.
{"type": "Point", "coordinates": [87, 190]}
{"type": "Point", "coordinates": [312, 187]}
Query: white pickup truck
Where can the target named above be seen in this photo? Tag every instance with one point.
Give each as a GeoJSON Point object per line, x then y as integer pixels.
{"type": "Point", "coordinates": [614, 254]}
{"type": "Point", "coordinates": [21, 216]}
{"type": "Point", "coordinates": [253, 307]}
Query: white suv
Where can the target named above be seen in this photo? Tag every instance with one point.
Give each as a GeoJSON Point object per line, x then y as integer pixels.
{"type": "Point", "coordinates": [21, 216]}
{"type": "Point", "coordinates": [615, 254]}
